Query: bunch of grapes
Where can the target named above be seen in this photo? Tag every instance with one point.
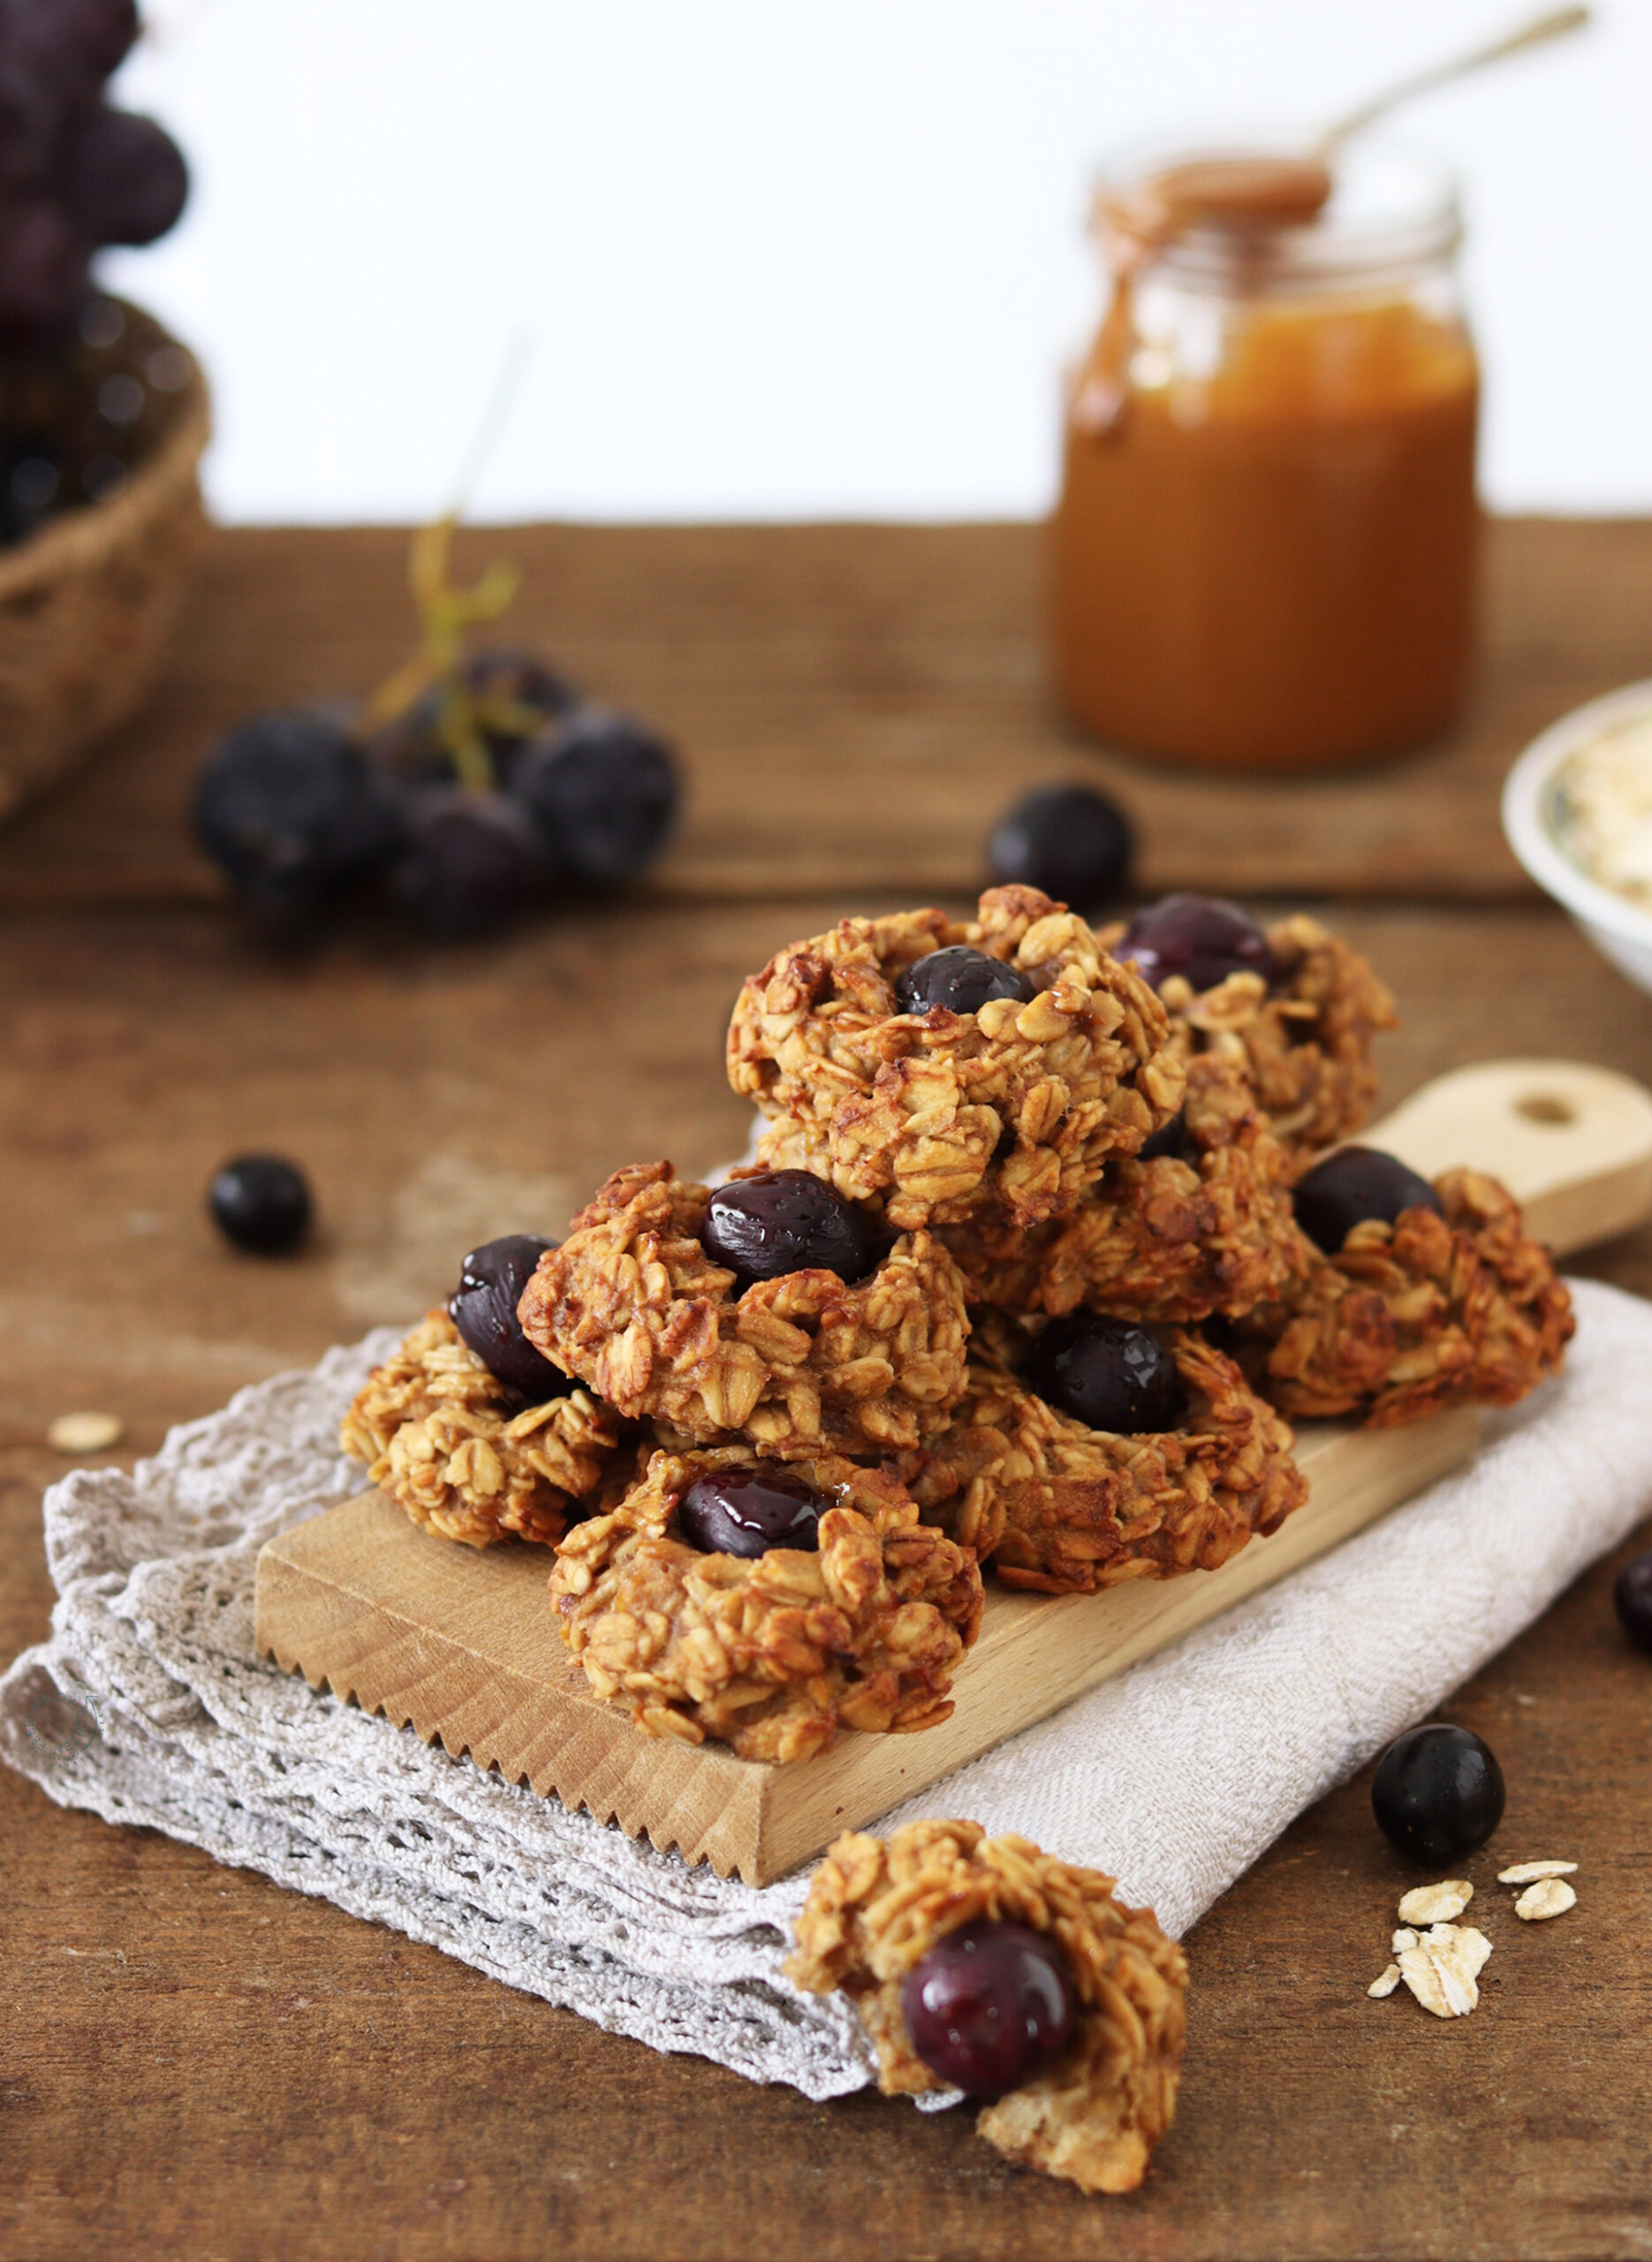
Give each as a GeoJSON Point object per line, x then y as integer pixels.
{"type": "Point", "coordinates": [476, 786]}
{"type": "Point", "coordinates": [74, 173]}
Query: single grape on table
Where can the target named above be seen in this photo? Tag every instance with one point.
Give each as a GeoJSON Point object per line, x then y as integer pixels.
{"type": "Point", "coordinates": [262, 1202]}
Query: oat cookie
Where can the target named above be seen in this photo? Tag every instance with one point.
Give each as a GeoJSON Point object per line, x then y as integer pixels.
{"type": "Point", "coordinates": [772, 1654]}
{"type": "Point", "coordinates": [806, 1363]}
{"type": "Point", "coordinates": [448, 1442]}
{"type": "Point", "coordinates": [937, 1114]}
{"type": "Point", "coordinates": [1303, 1043]}
{"type": "Point", "coordinates": [1429, 1311]}
{"type": "Point", "coordinates": [1068, 1510]}
{"type": "Point", "coordinates": [876, 1908]}
{"type": "Point", "coordinates": [1167, 1238]}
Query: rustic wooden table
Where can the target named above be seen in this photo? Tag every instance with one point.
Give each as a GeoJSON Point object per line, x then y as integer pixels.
{"type": "Point", "coordinates": [193, 2062]}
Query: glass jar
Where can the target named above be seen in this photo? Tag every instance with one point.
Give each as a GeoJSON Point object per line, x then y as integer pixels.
{"type": "Point", "coordinates": [1264, 548]}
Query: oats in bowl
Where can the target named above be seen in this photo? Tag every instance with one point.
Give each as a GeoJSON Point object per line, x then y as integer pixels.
{"type": "Point", "coordinates": [1598, 808]}
{"type": "Point", "coordinates": [1577, 811]}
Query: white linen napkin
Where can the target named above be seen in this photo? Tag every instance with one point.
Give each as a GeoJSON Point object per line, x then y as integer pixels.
{"type": "Point", "coordinates": [149, 1704]}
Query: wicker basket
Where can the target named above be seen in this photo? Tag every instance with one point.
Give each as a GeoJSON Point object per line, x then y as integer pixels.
{"type": "Point", "coordinates": [89, 600]}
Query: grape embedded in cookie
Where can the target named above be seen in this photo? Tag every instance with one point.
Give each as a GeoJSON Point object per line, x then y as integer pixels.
{"type": "Point", "coordinates": [1198, 1222]}
{"type": "Point", "coordinates": [767, 1606]}
{"type": "Point", "coordinates": [1060, 1505]}
{"type": "Point", "coordinates": [1096, 1990]}
{"type": "Point", "coordinates": [1442, 1302]}
{"type": "Point", "coordinates": [483, 1306]}
{"type": "Point", "coordinates": [942, 1069]}
{"type": "Point", "coordinates": [1291, 1007]}
{"type": "Point", "coordinates": [463, 1454]}
{"type": "Point", "coordinates": [643, 1301]}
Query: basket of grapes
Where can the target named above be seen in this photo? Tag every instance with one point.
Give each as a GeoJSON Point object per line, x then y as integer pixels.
{"type": "Point", "coordinates": [103, 416]}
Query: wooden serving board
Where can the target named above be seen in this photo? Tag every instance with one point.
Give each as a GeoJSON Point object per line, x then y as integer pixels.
{"type": "Point", "coordinates": [462, 1645]}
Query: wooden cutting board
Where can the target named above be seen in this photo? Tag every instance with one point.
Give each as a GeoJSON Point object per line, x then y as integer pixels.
{"type": "Point", "coordinates": [462, 1646]}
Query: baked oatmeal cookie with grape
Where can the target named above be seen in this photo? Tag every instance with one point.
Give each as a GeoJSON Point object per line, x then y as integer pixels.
{"type": "Point", "coordinates": [767, 1604]}
{"type": "Point", "coordinates": [1198, 1222]}
{"type": "Point", "coordinates": [940, 1068]}
{"type": "Point", "coordinates": [446, 1439]}
{"type": "Point", "coordinates": [983, 1965]}
{"type": "Point", "coordinates": [1406, 1296]}
{"type": "Point", "coordinates": [769, 1308]}
{"type": "Point", "coordinates": [1294, 1009]}
{"type": "Point", "coordinates": [1090, 1450]}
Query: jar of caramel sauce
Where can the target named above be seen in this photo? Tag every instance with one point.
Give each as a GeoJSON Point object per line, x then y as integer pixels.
{"type": "Point", "coordinates": [1264, 548]}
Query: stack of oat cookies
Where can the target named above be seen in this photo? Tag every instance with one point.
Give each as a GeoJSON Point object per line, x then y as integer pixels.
{"type": "Point", "coordinates": [1047, 1233]}
{"type": "Point", "coordinates": [1018, 1284]}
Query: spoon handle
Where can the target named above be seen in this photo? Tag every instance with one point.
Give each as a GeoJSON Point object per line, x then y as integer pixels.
{"type": "Point", "coordinates": [1553, 24]}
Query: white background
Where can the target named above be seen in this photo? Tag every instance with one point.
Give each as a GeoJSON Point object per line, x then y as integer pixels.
{"type": "Point", "coordinates": [809, 258]}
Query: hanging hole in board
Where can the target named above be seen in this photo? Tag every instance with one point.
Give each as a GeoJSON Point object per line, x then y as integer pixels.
{"type": "Point", "coordinates": [1546, 1107]}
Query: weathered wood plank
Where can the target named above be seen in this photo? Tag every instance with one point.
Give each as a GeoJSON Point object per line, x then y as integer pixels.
{"type": "Point", "coordinates": [857, 704]}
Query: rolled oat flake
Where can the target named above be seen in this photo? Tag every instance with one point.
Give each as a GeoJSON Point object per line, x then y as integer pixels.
{"type": "Point", "coordinates": [85, 1432]}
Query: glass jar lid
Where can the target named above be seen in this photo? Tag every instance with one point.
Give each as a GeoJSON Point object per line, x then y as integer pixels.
{"type": "Point", "coordinates": [1391, 208]}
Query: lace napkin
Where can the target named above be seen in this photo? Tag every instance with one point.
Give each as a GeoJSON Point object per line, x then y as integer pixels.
{"type": "Point", "coordinates": [149, 1704]}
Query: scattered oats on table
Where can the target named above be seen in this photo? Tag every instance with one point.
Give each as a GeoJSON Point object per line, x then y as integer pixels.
{"type": "Point", "coordinates": [1434, 1905]}
{"type": "Point", "coordinates": [1443, 1969]}
{"type": "Point", "coordinates": [85, 1432]}
{"type": "Point", "coordinates": [1386, 1984]}
{"type": "Point", "coordinates": [1528, 1872]}
{"type": "Point", "coordinates": [1550, 1896]}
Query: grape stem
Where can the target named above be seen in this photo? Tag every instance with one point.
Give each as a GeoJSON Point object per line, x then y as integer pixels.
{"type": "Point", "coordinates": [446, 612]}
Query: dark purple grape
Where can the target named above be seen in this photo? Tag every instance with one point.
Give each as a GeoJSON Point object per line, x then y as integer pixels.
{"type": "Point", "coordinates": [76, 43]}
{"type": "Point", "coordinates": [501, 674]}
{"type": "Point", "coordinates": [42, 268]}
{"type": "Point", "coordinates": [1169, 1139]}
{"type": "Point", "coordinates": [990, 2007]}
{"type": "Point", "coordinates": [1352, 1185]}
{"type": "Point", "coordinates": [411, 744]}
{"type": "Point", "coordinates": [293, 812]}
{"type": "Point", "coordinates": [31, 118]}
{"type": "Point", "coordinates": [470, 863]}
{"type": "Point", "coordinates": [960, 978]}
{"type": "Point", "coordinates": [103, 32]}
{"type": "Point", "coordinates": [1068, 840]}
{"type": "Point", "coordinates": [746, 1512]}
{"type": "Point", "coordinates": [781, 1221]}
{"type": "Point", "coordinates": [604, 792]}
{"type": "Point", "coordinates": [1198, 936]}
{"type": "Point", "coordinates": [262, 1202]}
{"type": "Point", "coordinates": [124, 179]}
{"type": "Point", "coordinates": [1107, 1374]}
{"type": "Point", "coordinates": [1632, 1597]}
{"type": "Point", "coordinates": [1437, 1793]}
{"type": "Point", "coordinates": [54, 57]}
{"type": "Point", "coordinates": [484, 1309]}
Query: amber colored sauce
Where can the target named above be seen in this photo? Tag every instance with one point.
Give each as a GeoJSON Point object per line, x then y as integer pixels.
{"type": "Point", "coordinates": [1271, 567]}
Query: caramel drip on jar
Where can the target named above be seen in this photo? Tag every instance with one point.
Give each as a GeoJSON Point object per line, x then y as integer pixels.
{"type": "Point", "coordinates": [1243, 196]}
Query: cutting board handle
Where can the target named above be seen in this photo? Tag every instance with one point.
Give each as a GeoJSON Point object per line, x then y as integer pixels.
{"type": "Point", "coordinates": [1571, 1142]}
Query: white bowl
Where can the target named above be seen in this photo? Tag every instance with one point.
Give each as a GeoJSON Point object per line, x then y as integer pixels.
{"type": "Point", "coordinates": [1618, 928]}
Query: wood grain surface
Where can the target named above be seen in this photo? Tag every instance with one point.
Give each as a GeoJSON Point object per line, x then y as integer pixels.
{"type": "Point", "coordinates": [857, 705]}
{"type": "Point", "coordinates": [196, 2063]}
